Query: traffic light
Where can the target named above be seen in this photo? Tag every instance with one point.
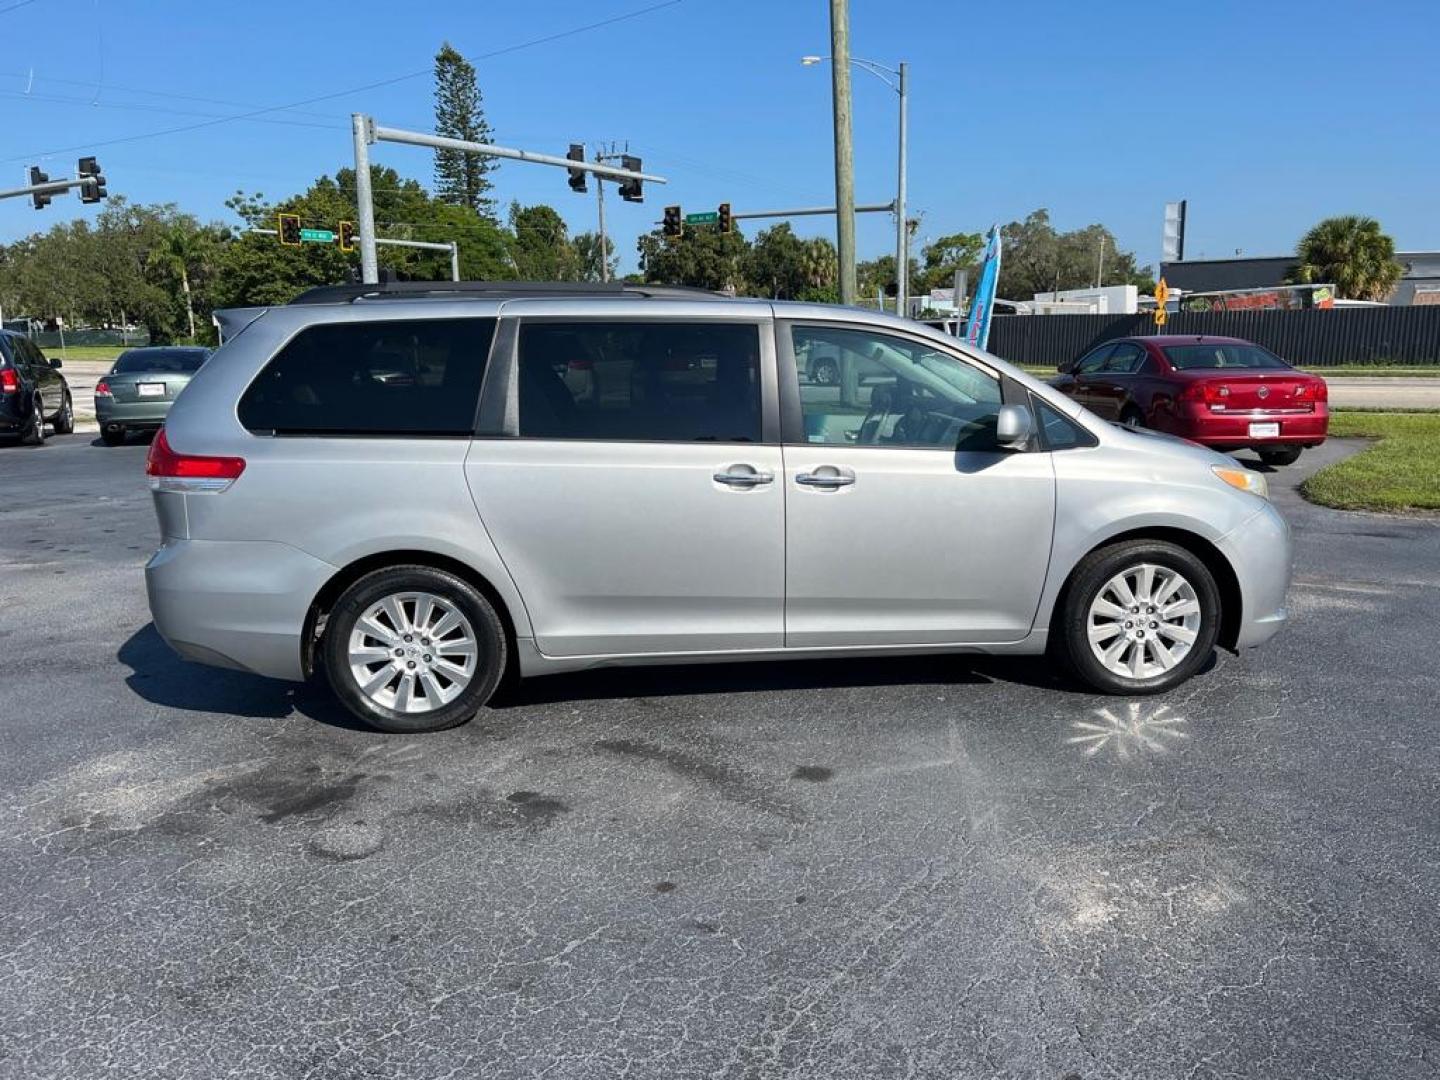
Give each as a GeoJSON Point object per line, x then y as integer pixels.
{"type": "Point", "coordinates": [347, 236]}
{"type": "Point", "coordinates": [92, 190]}
{"type": "Point", "coordinates": [630, 189]}
{"type": "Point", "coordinates": [673, 225]}
{"type": "Point", "coordinates": [38, 177]}
{"type": "Point", "coordinates": [724, 219]}
{"type": "Point", "coordinates": [290, 229]}
{"type": "Point", "coordinates": [577, 176]}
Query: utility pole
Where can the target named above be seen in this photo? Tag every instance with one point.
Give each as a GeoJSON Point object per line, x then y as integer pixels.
{"type": "Point", "coordinates": [844, 150]}
{"type": "Point", "coordinates": [1100, 267]}
{"type": "Point", "coordinates": [902, 244]}
{"type": "Point", "coordinates": [604, 157]}
{"type": "Point", "coordinates": [363, 131]}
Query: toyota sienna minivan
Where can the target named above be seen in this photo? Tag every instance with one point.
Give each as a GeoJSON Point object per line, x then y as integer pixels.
{"type": "Point", "coordinates": [422, 487]}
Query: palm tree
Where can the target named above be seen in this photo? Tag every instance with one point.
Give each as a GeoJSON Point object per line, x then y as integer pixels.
{"type": "Point", "coordinates": [1351, 253]}
{"type": "Point", "coordinates": [820, 263]}
{"type": "Point", "coordinates": [178, 250]}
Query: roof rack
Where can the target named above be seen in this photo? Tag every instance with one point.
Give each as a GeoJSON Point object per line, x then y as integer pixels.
{"type": "Point", "coordinates": [495, 290]}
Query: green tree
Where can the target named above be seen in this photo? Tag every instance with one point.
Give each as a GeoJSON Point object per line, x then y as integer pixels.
{"type": "Point", "coordinates": [540, 248]}
{"type": "Point", "coordinates": [775, 264]}
{"type": "Point", "coordinates": [1351, 253]}
{"type": "Point", "coordinates": [703, 257]}
{"type": "Point", "coordinates": [1036, 258]}
{"type": "Point", "coordinates": [181, 249]}
{"type": "Point", "coordinates": [941, 258]}
{"type": "Point", "coordinates": [588, 256]}
{"type": "Point", "coordinates": [460, 178]}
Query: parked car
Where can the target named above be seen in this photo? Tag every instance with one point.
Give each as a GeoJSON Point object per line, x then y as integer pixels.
{"type": "Point", "coordinates": [417, 538]}
{"type": "Point", "coordinates": [1221, 392]}
{"type": "Point", "coordinates": [137, 392]}
{"type": "Point", "coordinates": [33, 393]}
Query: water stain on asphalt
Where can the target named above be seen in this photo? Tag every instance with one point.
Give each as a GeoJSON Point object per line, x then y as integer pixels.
{"type": "Point", "coordinates": [816, 774]}
{"type": "Point", "coordinates": [728, 782]}
{"type": "Point", "coordinates": [665, 886]}
{"type": "Point", "coordinates": [531, 806]}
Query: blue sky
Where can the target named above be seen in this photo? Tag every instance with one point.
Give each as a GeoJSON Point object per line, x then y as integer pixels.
{"type": "Point", "coordinates": [1265, 116]}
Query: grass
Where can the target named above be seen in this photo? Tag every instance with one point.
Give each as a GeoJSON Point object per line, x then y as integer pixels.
{"type": "Point", "coordinates": [1400, 472]}
{"type": "Point", "coordinates": [84, 352]}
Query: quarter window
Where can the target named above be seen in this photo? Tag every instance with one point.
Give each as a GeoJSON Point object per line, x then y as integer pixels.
{"type": "Point", "coordinates": [859, 388]}
{"type": "Point", "coordinates": [640, 381]}
{"type": "Point", "coordinates": [1092, 362]}
{"type": "Point", "coordinates": [414, 377]}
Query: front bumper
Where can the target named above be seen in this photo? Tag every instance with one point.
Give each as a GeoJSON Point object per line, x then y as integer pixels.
{"type": "Point", "coordinates": [1260, 552]}
{"type": "Point", "coordinates": [239, 604]}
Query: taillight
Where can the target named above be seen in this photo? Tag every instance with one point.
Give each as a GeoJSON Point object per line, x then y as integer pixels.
{"type": "Point", "coordinates": [582, 365]}
{"type": "Point", "coordinates": [1208, 393]}
{"type": "Point", "coordinates": [102, 389]}
{"type": "Point", "coordinates": [9, 380]}
{"type": "Point", "coordinates": [169, 471]}
{"type": "Point", "coordinates": [1317, 390]}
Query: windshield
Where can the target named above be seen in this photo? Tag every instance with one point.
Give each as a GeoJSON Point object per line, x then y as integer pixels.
{"type": "Point", "coordinates": [176, 361]}
{"type": "Point", "coordinates": [1193, 357]}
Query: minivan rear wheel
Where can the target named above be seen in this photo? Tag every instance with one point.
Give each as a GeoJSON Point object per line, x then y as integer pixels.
{"type": "Point", "coordinates": [411, 649]}
{"type": "Point", "coordinates": [1140, 617]}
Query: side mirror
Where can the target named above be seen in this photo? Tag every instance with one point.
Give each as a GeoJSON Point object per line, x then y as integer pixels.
{"type": "Point", "coordinates": [55, 362]}
{"type": "Point", "coordinates": [1065, 367]}
{"type": "Point", "coordinates": [1013, 427]}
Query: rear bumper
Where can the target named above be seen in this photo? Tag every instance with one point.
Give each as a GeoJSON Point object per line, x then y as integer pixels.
{"type": "Point", "coordinates": [1223, 431]}
{"type": "Point", "coordinates": [136, 414]}
{"type": "Point", "coordinates": [1260, 552]}
{"type": "Point", "coordinates": [235, 604]}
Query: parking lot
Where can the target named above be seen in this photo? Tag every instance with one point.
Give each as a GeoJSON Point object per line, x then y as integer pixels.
{"type": "Point", "coordinates": [918, 867]}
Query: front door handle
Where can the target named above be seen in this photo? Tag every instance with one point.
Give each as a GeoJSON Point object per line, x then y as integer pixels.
{"type": "Point", "coordinates": [824, 480]}
{"type": "Point", "coordinates": [743, 476]}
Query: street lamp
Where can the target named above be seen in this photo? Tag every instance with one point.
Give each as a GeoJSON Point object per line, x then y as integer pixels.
{"type": "Point", "coordinates": [901, 85]}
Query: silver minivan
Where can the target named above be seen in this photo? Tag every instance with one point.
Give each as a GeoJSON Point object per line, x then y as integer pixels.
{"type": "Point", "coordinates": [423, 488]}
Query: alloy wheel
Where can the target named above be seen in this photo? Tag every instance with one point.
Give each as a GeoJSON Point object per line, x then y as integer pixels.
{"type": "Point", "coordinates": [412, 652]}
{"type": "Point", "coordinates": [1144, 621]}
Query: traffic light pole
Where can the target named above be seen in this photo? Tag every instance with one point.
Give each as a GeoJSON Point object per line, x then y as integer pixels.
{"type": "Point", "coordinates": [366, 131]}
{"type": "Point", "coordinates": [450, 245]}
{"type": "Point", "coordinates": [50, 187]}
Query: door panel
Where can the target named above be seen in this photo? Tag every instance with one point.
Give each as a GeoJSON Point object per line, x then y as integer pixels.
{"type": "Point", "coordinates": [904, 521]}
{"type": "Point", "coordinates": [924, 547]}
{"type": "Point", "coordinates": [637, 508]}
{"type": "Point", "coordinates": [636, 547]}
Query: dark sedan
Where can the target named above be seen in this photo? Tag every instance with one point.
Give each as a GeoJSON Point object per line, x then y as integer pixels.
{"type": "Point", "coordinates": [138, 391]}
{"type": "Point", "coordinates": [1223, 392]}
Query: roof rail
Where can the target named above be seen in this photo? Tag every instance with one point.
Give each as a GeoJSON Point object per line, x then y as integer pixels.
{"type": "Point", "coordinates": [495, 290]}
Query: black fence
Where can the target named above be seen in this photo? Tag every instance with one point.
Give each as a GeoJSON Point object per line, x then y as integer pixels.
{"type": "Point", "coordinates": [1314, 338]}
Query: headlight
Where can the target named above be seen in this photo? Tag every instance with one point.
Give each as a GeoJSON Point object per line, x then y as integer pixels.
{"type": "Point", "coordinates": [1243, 479]}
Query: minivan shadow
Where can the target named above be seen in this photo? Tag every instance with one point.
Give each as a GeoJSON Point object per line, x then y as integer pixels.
{"type": "Point", "coordinates": [778, 675]}
{"type": "Point", "coordinates": [161, 677]}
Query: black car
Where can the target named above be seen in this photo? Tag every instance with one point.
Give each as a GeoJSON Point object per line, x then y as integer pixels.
{"type": "Point", "coordinates": [33, 393]}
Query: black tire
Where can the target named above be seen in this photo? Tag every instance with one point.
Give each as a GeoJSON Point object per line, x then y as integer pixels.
{"type": "Point", "coordinates": [34, 434]}
{"type": "Point", "coordinates": [360, 599]}
{"type": "Point", "coordinates": [1279, 458]}
{"type": "Point", "coordinates": [1091, 576]}
{"type": "Point", "coordinates": [65, 418]}
{"type": "Point", "coordinates": [826, 373]}
{"type": "Point", "coordinates": [1132, 417]}
{"type": "Point", "coordinates": [112, 437]}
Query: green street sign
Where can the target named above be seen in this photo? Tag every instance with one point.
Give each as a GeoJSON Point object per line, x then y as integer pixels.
{"type": "Point", "coordinates": [317, 236]}
{"type": "Point", "coordinates": [707, 217]}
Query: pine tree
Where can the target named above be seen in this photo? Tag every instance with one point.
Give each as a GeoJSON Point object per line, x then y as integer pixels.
{"type": "Point", "coordinates": [462, 179]}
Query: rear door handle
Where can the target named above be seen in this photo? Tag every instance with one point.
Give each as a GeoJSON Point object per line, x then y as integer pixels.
{"type": "Point", "coordinates": [743, 476]}
{"type": "Point", "coordinates": [824, 480]}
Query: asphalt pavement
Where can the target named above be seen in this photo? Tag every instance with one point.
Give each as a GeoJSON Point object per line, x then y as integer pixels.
{"type": "Point", "coordinates": [926, 867]}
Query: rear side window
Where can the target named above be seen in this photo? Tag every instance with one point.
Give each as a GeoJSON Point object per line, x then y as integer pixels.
{"type": "Point", "coordinates": [413, 377]}
{"type": "Point", "coordinates": [640, 381]}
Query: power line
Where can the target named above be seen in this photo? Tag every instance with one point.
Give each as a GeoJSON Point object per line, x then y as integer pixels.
{"type": "Point", "coordinates": [544, 40]}
{"type": "Point", "coordinates": [21, 95]}
{"type": "Point", "coordinates": [12, 7]}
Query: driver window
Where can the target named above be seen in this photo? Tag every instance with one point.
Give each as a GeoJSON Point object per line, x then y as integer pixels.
{"type": "Point", "coordinates": [861, 388]}
{"type": "Point", "coordinates": [1092, 362]}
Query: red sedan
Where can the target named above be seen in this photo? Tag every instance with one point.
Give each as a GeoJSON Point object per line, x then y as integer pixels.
{"type": "Point", "coordinates": [1223, 392]}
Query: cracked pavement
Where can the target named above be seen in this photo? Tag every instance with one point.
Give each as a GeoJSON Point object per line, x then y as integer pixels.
{"type": "Point", "coordinates": [909, 867]}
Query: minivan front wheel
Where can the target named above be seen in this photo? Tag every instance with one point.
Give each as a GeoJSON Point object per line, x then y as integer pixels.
{"type": "Point", "coordinates": [412, 648]}
{"type": "Point", "coordinates": [1140, 617]}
